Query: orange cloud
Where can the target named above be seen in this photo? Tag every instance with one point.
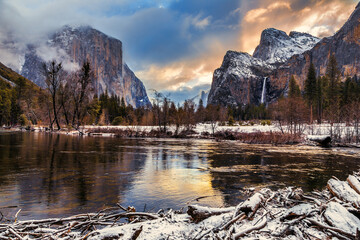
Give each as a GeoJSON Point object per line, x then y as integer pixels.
{"type": "Point", "coordinates": [319, 18]}
{"type": "Point", "coordinates": [188, 72]}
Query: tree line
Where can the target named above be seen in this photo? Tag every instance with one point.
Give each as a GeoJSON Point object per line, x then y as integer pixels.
{"type": "Point", "coordinates": [325, 99]}
{"type": "Point", "coordinates": [69, 101]}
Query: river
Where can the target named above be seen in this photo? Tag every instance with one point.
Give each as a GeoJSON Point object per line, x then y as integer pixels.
{"type": "Point", "coordinates": [56, 175]}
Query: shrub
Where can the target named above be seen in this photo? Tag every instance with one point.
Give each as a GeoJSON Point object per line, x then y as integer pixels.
{"type": "Point", "coordinates": [23, 121]}
{"type": "Point", "coordinates": [231, 121]}
{"type": "Point", "coordinates": [265, 122]}
{"type": "Point", "coordinates": [117, 121]}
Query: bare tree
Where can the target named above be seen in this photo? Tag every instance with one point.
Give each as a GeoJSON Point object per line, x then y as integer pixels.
{"type": "Point", "coordinates": [52, 72]}
{"type": "Point", "coordinates": [212, 116]}
{"type": "Point", "coordinates": [290, 114]}
{"type": "Point", "coordinates": [81, 86]}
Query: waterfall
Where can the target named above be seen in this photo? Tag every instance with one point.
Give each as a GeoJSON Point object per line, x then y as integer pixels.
{"type": "Point", "coordinates": [263, 93]}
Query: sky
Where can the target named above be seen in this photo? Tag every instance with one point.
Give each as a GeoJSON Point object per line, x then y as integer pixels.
{"type": "Point", "coordinates": [171, 45]}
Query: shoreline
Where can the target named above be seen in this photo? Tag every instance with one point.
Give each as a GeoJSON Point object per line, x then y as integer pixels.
{"type": "Point", "coordinates": [256, 134]}
{"type": "Point", "coordinates": [287, 213]}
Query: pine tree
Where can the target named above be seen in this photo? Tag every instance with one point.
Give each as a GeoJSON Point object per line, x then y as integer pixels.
{"type": "Point", "coordinates": [294, 90]}
{"type": "Point", "coordinates": [320, 86]}
{"type": "Point", "coordinates": [310, 89]}
{"type": "Point", "coordinates": [333, 89]}
{"type": "Point", "coordinates": [333, 76]}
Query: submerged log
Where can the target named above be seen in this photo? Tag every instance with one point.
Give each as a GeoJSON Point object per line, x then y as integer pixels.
{"type": "Point", "coordinates": [323, 140]}
{"type": "Point", "coordinates": [343, 191]}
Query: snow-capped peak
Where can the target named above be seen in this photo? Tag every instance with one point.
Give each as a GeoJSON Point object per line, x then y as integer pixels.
{"type": "Point", "coordinates": [277, 47]}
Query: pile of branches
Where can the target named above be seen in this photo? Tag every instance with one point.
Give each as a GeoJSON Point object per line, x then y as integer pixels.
{"type": "Point", "coordinates": [283, 214]}
{"type": "Point", "coordinates": [80, 226]}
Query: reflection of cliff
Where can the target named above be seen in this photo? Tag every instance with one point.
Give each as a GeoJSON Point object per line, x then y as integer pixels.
{"type": "Point", "coordinates": [64, 173]}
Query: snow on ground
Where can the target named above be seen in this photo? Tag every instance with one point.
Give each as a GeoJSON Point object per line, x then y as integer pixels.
{"type": "Point", "coordinates": [314, 129]}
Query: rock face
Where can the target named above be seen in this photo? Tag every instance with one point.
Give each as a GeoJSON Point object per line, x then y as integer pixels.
{"type": "Point", "coordinates": [241, 77]}
{"type": "Point", "coordinates": [203, 96]}
{"type": "Point", "coordinates": [73, 46]}
{"type": "Point", "coordinates": [277, 47]}
{"type": "Point", "coordinates": [344, 45]}
{"type": "Point", "coordinates": [282, 56]}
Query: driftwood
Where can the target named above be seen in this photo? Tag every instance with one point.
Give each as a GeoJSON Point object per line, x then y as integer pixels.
{"type": "Point", "coordinates": [354, 183]}
{"type": "Point", "coordinates": [343, 191]}
{"type": "Point", "coordinates": [298, 211]}
{"type": "Point", "coordinates": [338, 216]}
{"type": "Point", "coordinates": [326, 227]}
{"type": "Point", "coordinates": [199, 213]}
{"type": "Point", "coordinates": [283, 214]}
{"type": "Point", "coordinates": [323, 140]}
{"type": "Point", "coordinates": [250, 206]}
{"type": "Point", "coordinates": [83, 225]}
{"type": "Point", "coordinates": [258, 226]}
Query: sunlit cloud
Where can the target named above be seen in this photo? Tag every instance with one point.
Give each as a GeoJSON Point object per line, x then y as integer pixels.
{"type": "Point", "coordinates": [190, 71]}
{"type": "Point", "coordinates": [170, 44]}
{"type": "Point", "coordinates": [319, 18]}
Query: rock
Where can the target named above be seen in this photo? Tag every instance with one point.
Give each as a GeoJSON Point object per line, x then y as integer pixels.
{"type": "Point", "coordinates": [276, 46]}
{"type": "Point", "coordinates": [239, 80]}
{"type": "Point", "coordinates": [73, 46]}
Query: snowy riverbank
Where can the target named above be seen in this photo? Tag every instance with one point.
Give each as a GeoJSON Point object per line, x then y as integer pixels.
{"type": "Point", "coordinates": [247, 133]}
{"type": "Point", "coordinates": [287, 214]}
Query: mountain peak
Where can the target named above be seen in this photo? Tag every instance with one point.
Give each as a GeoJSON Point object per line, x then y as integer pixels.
{"type": "Point", "coordinates": [73, 45]}
{"type": "Point", "coordinates": [276, 46]}
{"type": "Point", "coordinates": [271, 33]}
{"type": "Point", "coordinates": [241, 81]}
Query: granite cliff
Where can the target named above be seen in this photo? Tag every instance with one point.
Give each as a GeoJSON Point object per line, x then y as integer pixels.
{"type": "Point", "coordinates": [242, 78]}
{"type": "Point", "coordinates": [73, 46]}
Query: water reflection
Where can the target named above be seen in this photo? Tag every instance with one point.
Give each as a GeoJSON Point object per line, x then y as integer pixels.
{"type": "Point", "coordinates": [50, 175]}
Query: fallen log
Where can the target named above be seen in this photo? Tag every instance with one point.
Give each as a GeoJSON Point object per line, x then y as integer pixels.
{"type": "Point", "coordinates": [337, 216]}
{"type": "Point", "coordinates": [250, 206]}
{"type": "Point", "coordinates": [298, 211]}
{"type": "Point", "coordinates": [136, 233]}
{"type": "Point", "coordinates": [343, 191]}
{"type": "Point", "coordinates": [199, 213]}
{"type": "Point", "coordinates": [324, 226]}
{"type": "Point", "coordinates": [290, 215]}
{"type": "Point", "coordinates": [354, 183]}
{"type": "Point", "coordinates": [258, 226]}
{"type": "Point", "coordinates": [323, 140]}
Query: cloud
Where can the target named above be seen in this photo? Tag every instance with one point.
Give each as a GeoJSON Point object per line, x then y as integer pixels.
{"type": "Point", "coordinates": [170, 44]}
{"type": "Point", "coordinates": [201, 23]}
{"type": "Point", "coordinates": [184, 93]}
{"type": "Point", "coordinates": [189, 71]}
{"type": "Point", "coordinates": [319, 18]}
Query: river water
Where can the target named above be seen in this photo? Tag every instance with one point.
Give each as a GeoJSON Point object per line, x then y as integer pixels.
{"type": "Point", "coordinates": [53, 175]}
